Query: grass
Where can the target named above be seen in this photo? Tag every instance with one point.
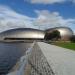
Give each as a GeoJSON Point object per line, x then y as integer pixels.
{"type": "Point", "coordinates": [68, 45]}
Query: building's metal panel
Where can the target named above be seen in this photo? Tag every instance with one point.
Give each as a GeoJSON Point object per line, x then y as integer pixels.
{"type": "Point", "coordinates": [23, 33]}
{"type": "Point", "coordinates": [29, 33]}
{"type": "Point", "coordinates": [65, 32]}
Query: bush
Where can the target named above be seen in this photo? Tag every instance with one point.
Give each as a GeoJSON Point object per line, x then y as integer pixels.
{"type": "Point", "coordinates": [72, 39]}
{"type": "Point", "coordinates": [54, 35]}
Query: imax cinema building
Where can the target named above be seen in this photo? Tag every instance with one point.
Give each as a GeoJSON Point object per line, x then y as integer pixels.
{"type": "Point", "coordinates": [35, 34]}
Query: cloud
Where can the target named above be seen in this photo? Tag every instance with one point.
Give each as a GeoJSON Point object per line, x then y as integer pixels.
{"type": "Point", "coordinates": [45, 1]}
{"type": "Point", "coordinates": [73, 1]}
{"type": "Point", "coordinates": [48, 19]}
{"type": "Point", "coordinates": [48, 1]}
{"type": "Point", "coordinates": [11, 19]}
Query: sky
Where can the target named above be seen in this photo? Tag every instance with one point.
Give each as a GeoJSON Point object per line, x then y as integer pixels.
{"type": "Point", "coordinates": [39, 14]}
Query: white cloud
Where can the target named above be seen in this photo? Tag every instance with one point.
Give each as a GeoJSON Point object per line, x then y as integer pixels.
{"type": "Point", "coordinates": [48, 1]}
{"type": "Point", "coordinates": [11, 19]}
{"type": "Point", "coordinates": [45, 1]}
{"type": "Point", "coordinates": [48, 19]}
{"type": "Point", "coordinates": [73, 1]}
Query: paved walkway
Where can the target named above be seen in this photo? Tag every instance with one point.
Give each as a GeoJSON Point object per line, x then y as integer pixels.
{"type": "Point", "coordinates": [60, 59]}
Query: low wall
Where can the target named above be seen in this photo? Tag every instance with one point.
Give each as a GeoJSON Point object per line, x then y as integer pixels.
{"type": "Point", "coordinates": [46, 59]}
{"type": "Point", "coordinates": [32, 63]}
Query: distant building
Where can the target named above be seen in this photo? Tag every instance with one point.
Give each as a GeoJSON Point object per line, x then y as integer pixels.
{"type": "Point", "coordinates": [65, 32]}
{"type": "Point", "coordinates": [35, 34]}
{"type": "Point", "coordinates": [22, 34]}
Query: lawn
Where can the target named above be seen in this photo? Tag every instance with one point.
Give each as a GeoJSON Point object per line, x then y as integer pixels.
{"type": "Point", "coordinates": [68, 45]}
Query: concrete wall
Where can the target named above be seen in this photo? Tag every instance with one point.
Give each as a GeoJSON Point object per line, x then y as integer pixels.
{"type": "Point", "coordinates": [46, 59]}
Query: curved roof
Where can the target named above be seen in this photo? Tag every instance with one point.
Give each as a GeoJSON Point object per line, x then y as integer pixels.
{"type": "Point", "coordinates": [29, 33]}
{"type": "Point", "coordinates": [58, 28]}
{"type": "Point", "coordinates": [23, 33]}
{"type": "Point", "coordinates": [20, 29]}
{"type": "Point", "coordinates": [63, 31]}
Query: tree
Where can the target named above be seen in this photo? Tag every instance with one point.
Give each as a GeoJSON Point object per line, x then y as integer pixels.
{"type": "Point", "coordinates": [72, 39]}
{"type": "Point", "coordinates": [54, 35]}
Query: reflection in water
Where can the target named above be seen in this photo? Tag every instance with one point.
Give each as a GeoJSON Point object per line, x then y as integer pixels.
{"type": "Point", "coordinates": [10, 54]}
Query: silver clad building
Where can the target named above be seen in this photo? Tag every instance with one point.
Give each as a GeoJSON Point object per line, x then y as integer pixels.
{"type": "Point", "coordinates": [22, 34]}
{"type": "Point", "coordinates": [35, 34]}
{"type": "Point", "coordinates": [65, 32]}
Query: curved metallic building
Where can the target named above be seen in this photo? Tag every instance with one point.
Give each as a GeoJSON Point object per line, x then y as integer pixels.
{"type": "Point", "coordinates": [35, 34]}
{"type": "Point", "coordinates": [22, 34]}
{"type": "Point", "coordinates": [65, 32]}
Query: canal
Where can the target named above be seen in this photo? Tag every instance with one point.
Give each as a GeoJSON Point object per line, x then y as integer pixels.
{"type": "Point", "coordinates": [10, 53]}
